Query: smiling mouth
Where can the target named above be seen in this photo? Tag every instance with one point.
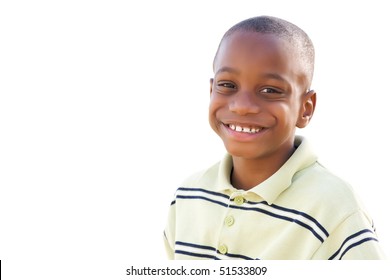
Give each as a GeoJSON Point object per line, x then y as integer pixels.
{"type": "Point", "coordinates": [244, 129]}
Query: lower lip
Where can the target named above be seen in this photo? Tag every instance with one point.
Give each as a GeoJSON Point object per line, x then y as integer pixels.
{"type": "Point", "coordinates": [242, 136]}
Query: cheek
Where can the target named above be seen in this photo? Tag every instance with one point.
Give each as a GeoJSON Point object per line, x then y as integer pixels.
{"type": "Point", "coordinates": [284, 113]}
{"type": "Point", "coordinates": [216, 103]}
{"type": "Point", "coordinates": [295, 113]}
{"type": "Point", "coordinates": [215, 106]}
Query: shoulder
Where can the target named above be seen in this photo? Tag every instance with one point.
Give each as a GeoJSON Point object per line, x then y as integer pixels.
{"type": "Point", "coordinates": [216, 177]}
{"type": "Point", "coordinates": [319, 180]}
{"type": "Point", "coordinates": [322, 192]}
{"type": "Point", "coordinates": [205, 178]}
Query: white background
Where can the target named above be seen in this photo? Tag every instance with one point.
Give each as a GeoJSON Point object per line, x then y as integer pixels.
{"type": "Point", "coordinates": [103, 112]}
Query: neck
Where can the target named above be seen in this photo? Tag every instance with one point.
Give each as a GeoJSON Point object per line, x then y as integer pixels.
{"type": "Point", "coordinates": [248, 173]}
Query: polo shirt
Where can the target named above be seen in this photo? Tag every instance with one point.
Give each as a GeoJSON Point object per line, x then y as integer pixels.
{"type": "Point", "coordinates": [301, 212]}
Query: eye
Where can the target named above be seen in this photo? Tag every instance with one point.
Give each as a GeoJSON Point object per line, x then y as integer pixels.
{"type": "Point", "coordinates": [270, 90]}
{"type": "Point", "coordinates": [226, 87]}
{"type": "Point", "coordinates": [225, 84]}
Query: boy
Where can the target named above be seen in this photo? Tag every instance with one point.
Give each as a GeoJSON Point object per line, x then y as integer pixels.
{"type": "Point", "coordinates": [268, 198]}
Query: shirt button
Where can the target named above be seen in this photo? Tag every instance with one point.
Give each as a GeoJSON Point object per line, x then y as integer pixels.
{"type": "Point", "coordinates": [229, 221]}
{"type": "Point", "coordinates": [222, 249]}
{"type": "Point", "coordinates": [239, 200]}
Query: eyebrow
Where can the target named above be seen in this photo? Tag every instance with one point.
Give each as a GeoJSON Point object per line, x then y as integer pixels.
{"type": "Point", "coordinates": [274, 76]}
{"type": "Point", "coordinates": [227, 69]}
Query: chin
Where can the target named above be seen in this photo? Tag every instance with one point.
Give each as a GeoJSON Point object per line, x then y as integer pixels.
{"type": "Point", "coordinates": [242, 152]}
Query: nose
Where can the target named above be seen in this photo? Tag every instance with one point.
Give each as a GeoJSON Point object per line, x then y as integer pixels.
{"type": "Point", "coordinates": [244, 103]}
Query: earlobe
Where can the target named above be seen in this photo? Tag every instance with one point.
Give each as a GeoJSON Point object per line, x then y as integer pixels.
{"type": "Point", "coordinates": [307, 109]}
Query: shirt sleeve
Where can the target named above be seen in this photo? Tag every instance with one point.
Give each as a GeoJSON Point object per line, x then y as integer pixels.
{"type": "Point", "coordinates": [168, 234]}
{"type": "Point", "coordinates": [353, 239]}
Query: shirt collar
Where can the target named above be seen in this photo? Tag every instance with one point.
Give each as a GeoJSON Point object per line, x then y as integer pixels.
{"type": "Point", "coordinates": [271, 188]}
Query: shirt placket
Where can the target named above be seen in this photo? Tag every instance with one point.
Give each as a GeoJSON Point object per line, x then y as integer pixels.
{"type": "Point", "coordinates": [229, 225]}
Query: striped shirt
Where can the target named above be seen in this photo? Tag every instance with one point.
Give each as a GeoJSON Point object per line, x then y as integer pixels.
{"type": "Point", "coordinates": [300, 212]}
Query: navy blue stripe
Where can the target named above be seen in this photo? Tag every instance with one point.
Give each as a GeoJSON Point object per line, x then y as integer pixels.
{"type": "Point", "coordinates": [202, 197]}
{"type": "Point", "coordinates": [263, 202]}
{"type": "Point", "coordinates": [195, 254]}
{"type": "Point", "coordinates": [205, 191]}
{"type": "Point", "coordinates": [206, 248]}
{"type": "Point", "coordinates": [357, 244]}
{"type": "Point", "coordinates": [294, 212]}
{"type": "Point", "coordinates": [195, 245]}
{"type": "Point", "coordinates": [260, 210]}
{"type": "Point", "coordinates": [238, 256]}
{"type": "Point", "coordinates": [347, 239]}
{"type": "Point", "coordinates": [302, 214]}
{"type": "Point", "coordinates": [281, 217]}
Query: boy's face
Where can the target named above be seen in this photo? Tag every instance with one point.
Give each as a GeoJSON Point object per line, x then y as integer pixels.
{"type": "Point", "coordinates": [258, 96]}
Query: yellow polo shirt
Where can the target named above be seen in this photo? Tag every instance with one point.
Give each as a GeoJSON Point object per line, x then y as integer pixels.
{"type": "Point", "coordinates": [301, 212]}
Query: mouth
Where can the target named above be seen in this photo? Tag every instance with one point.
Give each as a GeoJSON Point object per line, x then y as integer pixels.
{"type": "Point", "coordinates": [244, 128]}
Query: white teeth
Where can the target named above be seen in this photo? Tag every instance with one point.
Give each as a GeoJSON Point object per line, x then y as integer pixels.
{"type": "Point", "coordinates": [243, 129]}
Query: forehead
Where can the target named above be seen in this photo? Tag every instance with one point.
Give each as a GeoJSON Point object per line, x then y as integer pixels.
{"type": "Point", "coordinates": [254, 47]}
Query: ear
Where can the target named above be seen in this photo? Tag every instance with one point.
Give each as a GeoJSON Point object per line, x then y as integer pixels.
{"type": "Point", "coordinates": [211, 83]}
{"type": "Point", "coordinates": [307, 109]}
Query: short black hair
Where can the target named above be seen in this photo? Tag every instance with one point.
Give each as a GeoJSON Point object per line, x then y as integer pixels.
{"type": "Point", "coordinates": [283, 29]}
